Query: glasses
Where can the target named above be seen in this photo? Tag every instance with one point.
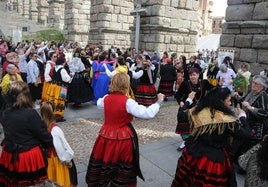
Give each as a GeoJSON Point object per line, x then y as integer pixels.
{"type": "Point", "coordinates": [256, 83]}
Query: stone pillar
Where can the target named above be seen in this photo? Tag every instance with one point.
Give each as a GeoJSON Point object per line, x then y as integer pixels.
{"type": "Point", "coordinates": [42, 7]}
{"type": "Point", "coordinates": [77, 20]}
{"type": "Point", "coordinates": [56, 14]}
{"type": "Point", "coordinates": [110, 22]}
{"type": "Point", "coordinates": [33, 11]}
{"type": "Point", "coordinates": [246, 32]}
{"type": "Point", "coordinates": [169, 26]}
{"type": "Point", "coordinates": [19, 5]}
{"type": "Point", "coordinates": [14, 5]}
{"type": "Point", "coordinates": [25, 8]}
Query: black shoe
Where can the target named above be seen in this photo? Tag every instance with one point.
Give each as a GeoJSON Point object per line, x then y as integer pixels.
{"type": "Point", "coordinates": [60, 120]}
{"type": "Point", "coordinates": [180, 148]}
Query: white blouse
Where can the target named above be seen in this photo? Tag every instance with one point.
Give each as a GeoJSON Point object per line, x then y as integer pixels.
{"type": "Point", "coordinates": [135, 109]}
{"type": "Point", "coordinates": [63, 149]}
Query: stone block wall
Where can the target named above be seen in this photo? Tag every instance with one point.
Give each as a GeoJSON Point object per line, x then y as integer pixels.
{"type": "Point", "coordinates": [110, 22]}
{"type": "Point", "coordinates": [56, 14]}
{"type": "Point", "coordinates": [246, 31]}
{"type": "Point", "coordinates": [169, 26]}
{"type": "Point", "coordinates": [43, 10]}
{"type": "Point", "coordinates": [77, 20]}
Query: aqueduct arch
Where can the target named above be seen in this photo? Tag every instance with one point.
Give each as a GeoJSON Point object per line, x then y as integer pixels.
{"type": "Point", "coordinates": [167, 25]}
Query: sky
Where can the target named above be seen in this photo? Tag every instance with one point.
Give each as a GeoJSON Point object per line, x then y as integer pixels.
{"type": "Point", "coordinates": [219, 7]}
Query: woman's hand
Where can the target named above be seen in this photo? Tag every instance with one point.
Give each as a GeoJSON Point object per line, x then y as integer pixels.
{"type": "Point", "coordinates": [160, 97]}
{"type": "Point", "coordinates": [247, 105]}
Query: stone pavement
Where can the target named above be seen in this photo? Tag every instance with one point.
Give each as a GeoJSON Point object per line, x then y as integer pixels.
{"type": "Point", "coordinates": [158, 160]}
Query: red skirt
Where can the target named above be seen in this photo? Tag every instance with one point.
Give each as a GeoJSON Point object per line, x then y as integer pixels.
{"type": "Point", "coordinates": [146, 95]}
{"type": "Point", "coordinates": [166, 88]}
{"type": "Point", "coordinates": [29, 169]}
{"type": "Point", "coordinates": [114, 162]}
{"type": "Point", "coordinates": [202, 172]}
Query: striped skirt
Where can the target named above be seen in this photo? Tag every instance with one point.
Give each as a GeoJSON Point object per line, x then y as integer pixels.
{"type": "Point", "coordinates": [202, 171]}
{"type": "Point", "coordinates": [166, 88]}
{"type": "Point", "coordinates": [114, 162]}
{"type": "Point", "coordinates": [146, 95]}
{"type": "Point", "coordinates": [28, 170]}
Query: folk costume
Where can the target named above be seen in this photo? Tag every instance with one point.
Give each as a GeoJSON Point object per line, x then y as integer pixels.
{"type": "Point", "coordinates": [50, 65]}
{"type": "Point", "coordinates": [168, 77]}
{"type": "Point", "coordinates": [57, 91]}
{"type": "Point", "coordinates": [205, 160]}
{"type": "Point", "coordinates": [187, 87]}
{"type": "Point", "coordinates": [102, 80]}
{"type": "Point", "coordinates": [118, 69]}
{"type": "Point", "coordinates": [146, 93]}
{"type": "Point", "coordinates": [115, 156]}
{"type": "Point", "coordinates": [22, 160]}
{"type": "Point", "coordinates": [79, 90]}
{"type": "Point", "coordinates": [60, 159]}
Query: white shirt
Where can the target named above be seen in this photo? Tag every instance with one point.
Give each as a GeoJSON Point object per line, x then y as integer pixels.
{"type": "Point", "coordinates": [135, 109]}
{"type": "Point", "coordinates": [32, 71]}
{"type": "Point", "coordinates": [76, 65]}
{"type": "Point", "coordinates": [64, 75]}
{"type": "Point", "coordinates": [47, 70]}
{"type": "Point", "coordinates": [227, 78]}
{"type": "Point", "coordinates": [22, 63]}
{"type": "Point", "coordinates": [63, 149]}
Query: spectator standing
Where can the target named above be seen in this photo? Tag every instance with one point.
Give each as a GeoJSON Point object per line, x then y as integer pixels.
{"type": "Point", "coordinates": [34, 78]}
{"type": "Point", "coordinates": [23, 61]}
{"type": "Point", "coordinates": [255, 103]}
{"type": "Point", "coordinates": [10, 77]}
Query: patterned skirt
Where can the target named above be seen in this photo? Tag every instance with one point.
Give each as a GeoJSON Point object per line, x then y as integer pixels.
{"type": "Point", "coordinates": [53, 95]}
{"type": "Point", "coordinates": [166, 88]}
{"type": "Point", "coordinates": [146, 95]}
{"type": "Point", "coordinates": [44, 96]}
{"type": "Point", "coordinates": [203, 172]}
{"type": "Point", "coordinates": [29, 169]}
{"type": "Point", "coordinates": [114, 162]}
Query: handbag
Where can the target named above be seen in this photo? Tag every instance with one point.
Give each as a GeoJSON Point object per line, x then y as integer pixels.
{"type": "Point", "coordinates": [157, 82]}
{"type": "Point", "coordinates": [158, 79]}
{"type": "Point", "coordinates": [38, 80]}
{"type": "Point", "coordinates": [63, 92]}
{"type": "Point", "coordinates": [243, 159]}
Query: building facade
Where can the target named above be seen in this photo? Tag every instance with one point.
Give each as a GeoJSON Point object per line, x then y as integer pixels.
{"type": "Point", "coordinates": [246, 32]}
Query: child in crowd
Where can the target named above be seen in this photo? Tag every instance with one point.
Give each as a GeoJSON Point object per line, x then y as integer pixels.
{"type": "Point", "coordinates": [61, 168]}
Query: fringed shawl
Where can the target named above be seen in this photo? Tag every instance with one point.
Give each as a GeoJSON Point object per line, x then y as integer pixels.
{"type": "Point", "coordinates": [203, 122]}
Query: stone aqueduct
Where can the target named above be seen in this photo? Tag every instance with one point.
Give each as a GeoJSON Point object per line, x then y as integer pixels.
{"type": "Point", "coordinates": [167, 25]}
